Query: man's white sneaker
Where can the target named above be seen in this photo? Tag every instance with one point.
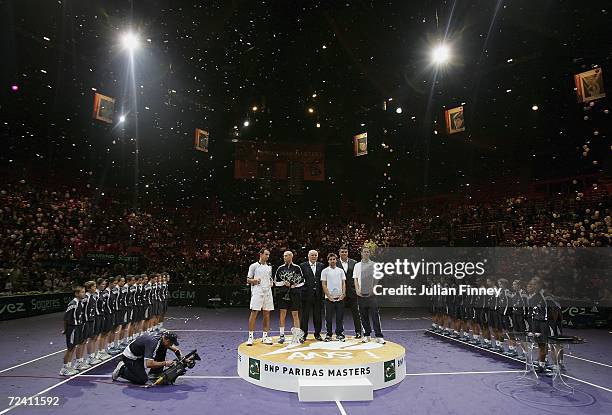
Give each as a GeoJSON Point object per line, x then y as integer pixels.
{"type": "Point", "coordinates": [104, 356]}
{"type": "Point", "coordinates": [68, 371]}
{"type": "Point", "coordinates": [250, 341]}
{"type": "Point", "coordinates": [94, 361]}
{"type": "Point", "coordinates": [82, 366]}
{"type": "Point", "coordinates": [380, 340]}
{"type": "Point", "coordinates": [365, 339]}
{"type": "Point", "coordinates": [267, 340]}
{"type": "Point", "coordinates": [117, 371]}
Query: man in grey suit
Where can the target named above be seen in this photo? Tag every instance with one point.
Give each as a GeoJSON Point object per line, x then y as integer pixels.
{"type": "Point", "coordinates": [348, 265]}
{"type": "Point", "coordinates": [312, 295]}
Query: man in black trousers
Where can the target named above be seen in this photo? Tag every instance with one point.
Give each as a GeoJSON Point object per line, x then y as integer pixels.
{"type": "Point", "coordinates": [312, 295]}
{"type": "Point", "coordinates": [363, 274]}
{"type": "Point", "coordinates": [348, 265]}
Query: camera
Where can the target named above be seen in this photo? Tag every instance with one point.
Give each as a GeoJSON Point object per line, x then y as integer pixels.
{"type": "Point", "coordinates": [169, 376]}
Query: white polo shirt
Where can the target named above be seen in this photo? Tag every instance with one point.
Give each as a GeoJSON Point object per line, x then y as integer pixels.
{"type": "Point", "coordinates": [261, 272]}
{"type": "Point", "coordinates": [334, 278]}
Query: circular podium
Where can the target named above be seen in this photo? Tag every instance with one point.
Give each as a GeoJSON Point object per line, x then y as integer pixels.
{"type": "Point", "coordinates": [281, 366]}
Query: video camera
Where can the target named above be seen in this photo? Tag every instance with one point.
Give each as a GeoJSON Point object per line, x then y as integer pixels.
{"type": "Point", "coordinates": [169, 376]}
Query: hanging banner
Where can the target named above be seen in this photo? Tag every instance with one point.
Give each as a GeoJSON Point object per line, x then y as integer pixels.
{"type": "Point", "coordinates": [454, 120]}
{"type": "Point", "coordinates": [279, 157]}
{"type": "Point", "coordinates": [103, 108]}
{"type": "Point", "coordinates": [360, 144]}
{"type": "Point", "coordinates": [589, 85]}
{"type": "Point", "coordinates": [201, 140]}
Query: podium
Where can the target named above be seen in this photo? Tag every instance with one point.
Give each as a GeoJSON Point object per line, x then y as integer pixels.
{"type": "Point", "coordinates": [323, 371]}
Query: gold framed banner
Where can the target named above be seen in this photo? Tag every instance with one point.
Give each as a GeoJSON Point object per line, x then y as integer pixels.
{"type": "Point", "coordinates": [589, 85]}
{"type": "Point", "coordinates": [201, 140]}
{"type": "Point", "coordinates": [360, 144]}
{"type": "Point", "coordinates": [454, 120]}
{"type": "Point", "coordinates": [103, 108]}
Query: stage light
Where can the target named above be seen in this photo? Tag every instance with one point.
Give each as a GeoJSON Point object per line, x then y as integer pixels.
{"type": "Point", "coordinates": [318, 125]}
{"type": "Point", "coordinates": [246, 123]}
{"type": "Point", "coordinates": [130, 41]}
{"type": "Point", "coordinates": [254, 108]}
{"type": "Point", "coordinates": [440, 54]}
{"type": "Point", "coordinates": [310, 110]}
{"type": "Point", "coordinates": [122, 118]}
{"type": "Point", "coordinates": [398, 110]}
{"type": "Point", "coordinates": [535, 108]}
{"type": "Point", "coordinates": [14, 88]}
{"type": "Point", "coordinates": [314, 95]}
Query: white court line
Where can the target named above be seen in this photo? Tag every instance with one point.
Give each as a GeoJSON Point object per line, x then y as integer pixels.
{"type": "Point", "coordinates": [518, 360]}
{"type": "Point", "coordinates": [10, 408]}
{"type": "Point", "coordinates": [340, 407]}
{"type": "Point", "coordinates": [586, 360]}
{"type": "Point", "coordinates": [588, 383]}
{"type": "Point", "coordinates": [184, 377]}
{"type": "Point", "coordinates": [464, 373]}
{"type": "Point", "coordinates": [31, 361]}
{"type": "Point", "coordinates": [405, 330]}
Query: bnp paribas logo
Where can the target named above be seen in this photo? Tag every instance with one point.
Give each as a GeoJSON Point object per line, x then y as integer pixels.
{"type": "Point", "coordinates": [254, 368]}
{"type": "Point", "coordinates": [389, 370]}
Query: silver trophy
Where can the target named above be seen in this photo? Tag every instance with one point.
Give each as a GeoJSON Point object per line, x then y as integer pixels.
{"type": "Point", "coordinates": [335, 293]}
{"type": "Point", "coordinates": [297, 335]}
{"type": "Point", "coordinates": [292, 278]}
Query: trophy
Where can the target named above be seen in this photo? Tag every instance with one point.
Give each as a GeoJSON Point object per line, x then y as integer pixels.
{"type": "Point", "coordinates": [297, 335]}
{"type": "Point", "coordinates": [292, 278]}
{"type": "Point", "coordinates": [335, 293]}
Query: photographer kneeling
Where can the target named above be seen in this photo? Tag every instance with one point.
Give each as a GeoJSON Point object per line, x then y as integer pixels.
{"type": "Point", "coordinates": [146, 352]}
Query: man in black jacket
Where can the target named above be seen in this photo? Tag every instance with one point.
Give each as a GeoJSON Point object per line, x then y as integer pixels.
{"type": "Point", "coordinates": [312, 295]}
{"type": "Point", "coordinates": [348, 265]}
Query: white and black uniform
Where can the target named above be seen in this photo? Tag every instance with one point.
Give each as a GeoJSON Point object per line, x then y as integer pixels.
{"type": "Point", "coordinates": [147, 310]}
{"type": "Point", "coordinates": [107, 310]}
{"type": "Point", "coordinates": [261, 294]}
{"type": "Point", "coordinates": [74, 316]}
{"type": "Point", "coordinates": [115, 306]}
{"type": "Point", "coordinates": [99, 320]}
{"type": "Point", "coordinates": [537, 307]}
{"type": "Point", "coordinates": [123, 305]}
{"type": "Point", "coordinates": [518, 300]}
{"type": "Point", "coordinates": [89, 304]}
{"type": "Point", "coordinates": [132, 307]}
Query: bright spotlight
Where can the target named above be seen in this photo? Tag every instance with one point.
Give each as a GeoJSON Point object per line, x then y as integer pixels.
{"type": "Point", "coordinates": [246, 123]}
{"type": "Point", "coordinates": [398, 110]}
{"type": "Point", "coordinates": [535, 108]}
{"type": "Point", "coordinates": [254, 108]}
{"type": "Point", "coordinates": [440, 54]}
{"type": "Point", "coordinates": [130, 41]}
{"type": "Point", "coordinates": [122, 118]}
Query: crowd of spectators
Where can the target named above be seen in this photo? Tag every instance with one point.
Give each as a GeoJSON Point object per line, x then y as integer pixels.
{"type": "Point", "coordinates": [48, 233]}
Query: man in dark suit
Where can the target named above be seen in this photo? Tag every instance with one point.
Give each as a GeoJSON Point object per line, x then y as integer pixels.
{"type": "Point", "coordinates": [312, 295]}
{"type": "Point", "coordinates": [348, 265]}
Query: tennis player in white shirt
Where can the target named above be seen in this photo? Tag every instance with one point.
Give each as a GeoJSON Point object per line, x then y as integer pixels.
{"type": "Point", "coordinates": [260, 279]}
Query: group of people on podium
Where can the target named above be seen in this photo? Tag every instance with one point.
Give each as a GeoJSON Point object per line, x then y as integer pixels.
{"type": "Point", "coordinates": [315, 289]}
